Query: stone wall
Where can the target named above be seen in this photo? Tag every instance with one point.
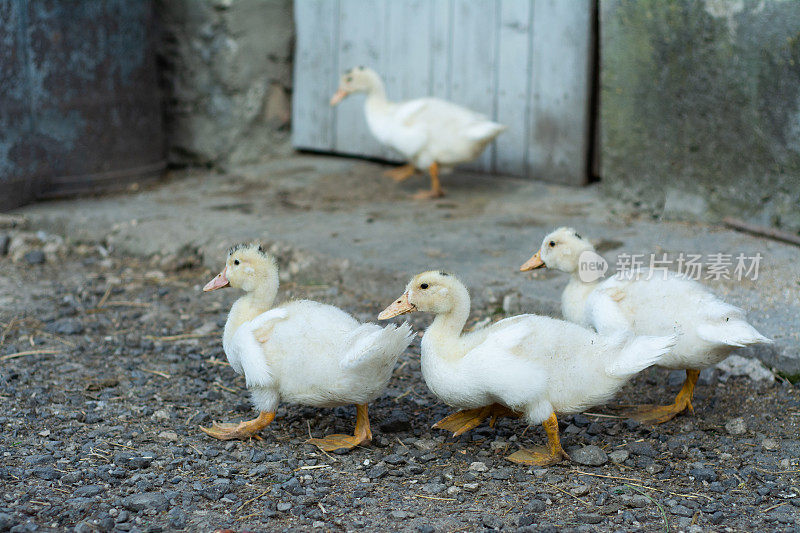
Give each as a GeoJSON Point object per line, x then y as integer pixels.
{"type": "Point", "coordinates": [227, 78]}
{"type": "Point", "coordinates": [700, 107]}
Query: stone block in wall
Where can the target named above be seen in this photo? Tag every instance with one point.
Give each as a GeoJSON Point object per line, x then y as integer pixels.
{"type": "Point", "coordinates": [226, 70]}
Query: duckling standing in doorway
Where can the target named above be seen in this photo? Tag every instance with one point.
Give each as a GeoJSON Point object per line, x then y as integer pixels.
{"type": "Point", "coordinates": [301, 352]}
{"type": "Point", "coordinates": [533, 365]}
{"type": "Point", "coordinates": [707, 328]}
{"type": "Point", "coordinates": [430, 133]}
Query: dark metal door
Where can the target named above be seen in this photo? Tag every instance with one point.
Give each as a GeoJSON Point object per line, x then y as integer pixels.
{"type": "Point", "coordinates": [79, 101]}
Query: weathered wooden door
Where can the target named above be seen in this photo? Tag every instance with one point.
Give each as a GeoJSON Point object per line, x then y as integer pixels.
{"type": "Point", "coordinates": [524, 63]}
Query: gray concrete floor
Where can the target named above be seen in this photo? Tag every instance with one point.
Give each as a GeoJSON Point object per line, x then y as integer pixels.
{"type": "Point", "coordinates": [341, 213]}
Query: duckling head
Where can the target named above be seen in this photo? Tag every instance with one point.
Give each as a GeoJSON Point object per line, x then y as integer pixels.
{"type": "Point", "coordinates": [434, 291]}
{"type": "Point", "coordinates": [560, 250]}
{"type": "Point", "coordinates": [356, 80]}
{"type": "Point", "coordinates": [247, 267]}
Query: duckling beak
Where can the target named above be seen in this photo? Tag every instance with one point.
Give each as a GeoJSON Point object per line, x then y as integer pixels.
{"type": "Point", "coordinates": [533, 263]}
{"type": "Point", "coordinates": [340, 95]}
{"type": "Point", "coordinates": [218, 282]}
{"type": "Point", "coordinates": [400, 306]}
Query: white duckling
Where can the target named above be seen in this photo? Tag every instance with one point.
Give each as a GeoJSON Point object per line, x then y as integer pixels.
{"type": "Point", "coordinates": [301, 352]}
{"type": "Point", "coordinates": [665, 303]}
{"type": "Point", "coordinates": [533, 365]}
{"type": "Point", "coordinates": [430, 133]}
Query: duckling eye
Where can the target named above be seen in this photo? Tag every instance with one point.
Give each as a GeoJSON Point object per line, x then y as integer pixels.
{"type": "Point", "coordinates": [552, 244]}
{"type": "Point", "coordinates": [423, 286]}
{"type": "Point", "coordinates": [349, 79]}
{"type": "Point", "coordinates": [235, 261]}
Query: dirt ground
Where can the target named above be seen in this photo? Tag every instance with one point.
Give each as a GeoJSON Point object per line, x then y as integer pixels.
{"type": "Point", "coordinates": [109, 363]}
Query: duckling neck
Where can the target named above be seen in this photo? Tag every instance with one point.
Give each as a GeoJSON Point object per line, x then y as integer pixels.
{"type": "Point", "coordinates": [252, 304]}
{"type": "Point", "coordinates": [443, 350]}
{"type": "Point", "coordinates": [376, 96]}
{"type": "Point", "coordinates": [447, 327]}
{"type": "Point", "coordinates": [263, 297]}
{"type": "Point", "coordinates": [573, 300]}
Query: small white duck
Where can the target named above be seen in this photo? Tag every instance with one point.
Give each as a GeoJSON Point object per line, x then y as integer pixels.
{"type": "Point", "coordinates": [430, 133]}
{"type": "Point", "coordinates": [533, 365]}
{"type": "Point", "coordinates": [301, 352]}
{"type": "Point", "coordinates": [665, 303]}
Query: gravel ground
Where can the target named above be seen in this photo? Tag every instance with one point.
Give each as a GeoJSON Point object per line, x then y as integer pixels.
{"type": "Point", "coordinates": [108, 364]}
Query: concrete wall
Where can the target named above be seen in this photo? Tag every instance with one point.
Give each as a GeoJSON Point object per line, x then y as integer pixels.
{"type": "Point", "coordinates": [700, 107]}
{"type": "Point", "coordinates": [226, 69]}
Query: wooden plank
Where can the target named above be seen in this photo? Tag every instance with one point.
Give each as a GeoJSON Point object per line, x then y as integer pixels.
{"type": "Point", "coordinates": [407, 59]}
{"type": "Point", "coordinates": [474, 40]}
{"type": "Point", "coordinates": [441, 21]}
{"type": "Point", "coordinates": [362, 41]}
{"type": "Point", "coordinates": [513, 85]}
{"type": "Point", "coordinates": [315, 76]}
{"type": "Point", "coordinates": [560, 91]}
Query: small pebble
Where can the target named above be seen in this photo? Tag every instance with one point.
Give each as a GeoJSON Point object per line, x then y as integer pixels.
{"type": "Point", "coordinates": [590, 518]}
{"type": "Point", "coordinates": [536, 506]}
{"type": "Point", "coordinates": [498, 445]}
{"type": "Point", "coordinates": [618, 456]}
{"type": "Point", "coordinates": [580, 490]}
{"type": "Point", "coordinates": [736, 426]}
{"type": "Point", "coordinates": [589, 455]}
{"type": "Point", "coordinates": [682, 510]}
{"type": "Point", "coordinates": [770, 445]}
{"type": "Point", "coordinates": [169, 436]}
{"type": "Point", "coordinates": [34, 257]}
{"type": "Point", "coordinates": [636, 501]}
{"type": "Point", "coordinates": [478, 466]}
{"type": "Point", "coordinates": [642, 448]}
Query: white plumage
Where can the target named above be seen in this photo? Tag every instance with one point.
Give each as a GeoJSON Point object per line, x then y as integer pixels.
{"type": "Point", "coordinates": [314, 354]}
{"type": "Point", "coordinates": [301, 352]}
{"type": "Point", "coordinates": [534, 365]}
{"type": "Point", "coordinates": [657, 303]}
{"type": "Point", "coordinates": [430, 133]}
{"type": "Point", "coordinates": [706, 328]}
{"type": "Point", "coordinates": [430, 130]}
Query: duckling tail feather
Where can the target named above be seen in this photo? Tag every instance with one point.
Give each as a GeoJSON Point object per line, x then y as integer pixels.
{"type": "Point", "coordinates": [484, 131]}
{"type": "Point", "coordinates": [731, 331]}
{"type": "Point", "coordinates": [639, 353]}
{"type": "Point", "coordinates": [371, 341]}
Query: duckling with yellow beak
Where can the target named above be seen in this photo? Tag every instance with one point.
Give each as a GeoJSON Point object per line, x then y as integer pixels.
{"type": "Point", "coordinates": [301, 352]}
{"type": "Point", "coordinates": [533, 365]}
{"type": "Point", "coordinates": [430, 133]}
{"type": "Point", "coordinates": [707, 329]}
